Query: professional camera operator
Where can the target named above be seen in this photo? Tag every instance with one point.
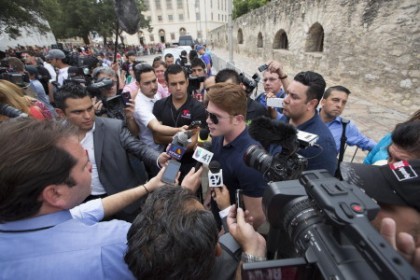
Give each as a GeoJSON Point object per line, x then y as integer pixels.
{"type": "Point", "coordinates": [196, 79]}
{"type": "Point", "coordinates": [108, 103]}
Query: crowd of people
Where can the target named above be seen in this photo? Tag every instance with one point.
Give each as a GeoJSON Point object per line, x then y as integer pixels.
{"type": "Point", "coordinates": [86, 143]}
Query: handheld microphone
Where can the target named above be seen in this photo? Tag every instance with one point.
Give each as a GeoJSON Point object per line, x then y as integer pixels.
{"type": "Point", "coordinates": [202, 153]}
{"type": "Point", "coordinates": [179, 145]}
{"type": "Point", "coordinates": [215, 174]}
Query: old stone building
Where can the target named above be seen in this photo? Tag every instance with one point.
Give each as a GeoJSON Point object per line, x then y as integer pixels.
{"type": "Point", "coordinates": [370, 46]}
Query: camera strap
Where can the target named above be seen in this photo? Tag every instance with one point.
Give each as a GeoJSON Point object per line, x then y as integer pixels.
{"type": "Point", "coordinates": [343, 140]}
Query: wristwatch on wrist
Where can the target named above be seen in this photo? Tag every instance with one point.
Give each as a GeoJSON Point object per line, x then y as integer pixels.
{"type": "Point", "coordinates": [247, 258]}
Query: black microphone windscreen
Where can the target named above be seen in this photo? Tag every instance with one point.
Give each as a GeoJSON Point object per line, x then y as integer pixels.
{"type": "Point", "coordinates": [204, 134]}
{"type": "Point", "coordinates": [214, 166]}
{"type": "Point", "coordinates": [128, 15]}
{"type": "Point", "coordinates": [268, 131]}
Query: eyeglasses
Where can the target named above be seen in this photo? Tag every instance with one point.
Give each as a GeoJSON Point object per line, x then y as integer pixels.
{"type": "Point", "coordinates": [270, 80]}
{"type": "Point", "coordinates": [214, 119]}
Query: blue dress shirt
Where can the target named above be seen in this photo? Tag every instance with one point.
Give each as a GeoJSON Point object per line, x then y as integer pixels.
{"type": "Point", "coordinates": [56, 246]}
{"type": "Point", "coordinates": [354, 136]}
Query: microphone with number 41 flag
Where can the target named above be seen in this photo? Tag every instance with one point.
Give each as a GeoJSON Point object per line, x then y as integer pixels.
{"type": "Point", "coordinates": [215, 174]}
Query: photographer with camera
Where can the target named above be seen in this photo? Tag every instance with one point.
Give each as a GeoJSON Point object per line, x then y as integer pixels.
{"type": "Point", "coordinates": [196, 79]}
{"type": "Point", "coordinates": [108, 99]}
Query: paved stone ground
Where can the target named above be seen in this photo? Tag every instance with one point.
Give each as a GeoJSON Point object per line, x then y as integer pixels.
{"type": "Point", "coordinates": [372, 119]}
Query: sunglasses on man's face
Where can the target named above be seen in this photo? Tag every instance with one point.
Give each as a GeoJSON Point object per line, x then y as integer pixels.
{"type": "Point", "coordinates": [214, 119]}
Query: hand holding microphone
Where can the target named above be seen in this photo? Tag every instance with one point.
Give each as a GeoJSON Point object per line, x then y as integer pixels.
{"type": "Point", "coordinates": [179, 145]}
{"type": "Point", "coordinates": [215, 174]}
{"type": "Point", "coordinates": [202, 153]}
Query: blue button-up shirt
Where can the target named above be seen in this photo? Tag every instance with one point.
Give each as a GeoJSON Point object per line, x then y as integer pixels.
{"type": "Point", "coordinates": [56, 246]}
{"type": "Point", "coordinates": [354, 136]}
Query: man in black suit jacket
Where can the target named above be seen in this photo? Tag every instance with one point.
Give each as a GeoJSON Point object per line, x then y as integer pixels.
{"type": "Point", "coordinates": [108, 144]}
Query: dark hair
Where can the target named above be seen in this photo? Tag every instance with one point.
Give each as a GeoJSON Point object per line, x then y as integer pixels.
{"type": "Point", "coordinates": [169, 55]}
{"type": "Point", "coordinates": [32, 161]}
{"type": "Point", "coordinates": [226, 74]}
{"type": "Point", "coordinates": [406, 136]}
{"type": "Point", "coordinates": [142, 68]}
{"type": "Point", "coordinates": [173, 70]}
{"type": "Point", "coordinates": [335, 88]}
{"type": "Point", "coordinates": [70, 89]}
{"type": "Point", "coordinates": [171, 238]}
{"type": "Point", "coordinates": [314, 81]}
{"type": "Point", "coordinates": [198, 62]}
{"type": "Point", "coordinates": [193, 54]}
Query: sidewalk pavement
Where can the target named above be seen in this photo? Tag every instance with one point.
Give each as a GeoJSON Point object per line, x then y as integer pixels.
{"type": "Point", "coordinates": [372, 119]}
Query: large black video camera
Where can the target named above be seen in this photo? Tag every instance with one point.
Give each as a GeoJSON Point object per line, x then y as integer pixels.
{"type": "Point", "coordinates": [323, 225]}
{"type": "Point", "coordinates": [194, 82]}
{"type": "Point", "coordinates": [21, 80]}
{"type": "Point", "coordinates": [250, 84]}
{"type": "Point", "coordinates": [285, 164]}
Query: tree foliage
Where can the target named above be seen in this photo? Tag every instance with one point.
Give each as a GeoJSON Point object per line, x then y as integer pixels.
{"type": "Point", "coordinates": [80, 17]}
{"type": "Point", "coordinates": [241, 7]}
{"type": "Point", "coordinates": [76, 18]}
{"type": "Point", "coordinates": [27, 14]}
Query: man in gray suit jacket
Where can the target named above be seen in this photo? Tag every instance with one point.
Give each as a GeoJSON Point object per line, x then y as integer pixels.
{"type": "Point", "coordinates": [108, 144]}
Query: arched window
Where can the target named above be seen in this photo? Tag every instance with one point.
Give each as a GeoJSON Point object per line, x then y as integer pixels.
{"type": "Point", "coordinates": [280, 40]}
{"type": "Point", "coordinates": [315, 40]}
{"type": "Point", "coordinates": [260, 40]}
{"type": "Point", "coordinates": [182, 31]}
{"type": "Point", "coordinates": [240, 36]}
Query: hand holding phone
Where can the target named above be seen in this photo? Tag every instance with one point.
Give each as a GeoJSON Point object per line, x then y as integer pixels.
{"type": "Point", "coordinates": [126, 96]}
{"type": "Point", "coordinates": [194, 124]}
{"type": "Point", "coordinates": [171, 172]}
{"type": "Point", "coordinates": [239, 199]}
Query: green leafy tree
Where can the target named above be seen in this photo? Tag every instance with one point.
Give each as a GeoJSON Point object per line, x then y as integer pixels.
{"type": "Point", "coordinates": [241, 7]}
{"type": "Point", "coordinates": [28, 14]}
{"type": "Point", "coordinates": [80, 17]}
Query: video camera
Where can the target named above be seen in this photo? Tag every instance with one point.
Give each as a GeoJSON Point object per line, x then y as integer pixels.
{"type": "Point", "coordinates": [18, 79]}
{"type": "Point", "coordinates": [285, 164]}
{"type": "Point", "coordinates": [250, 84]}
{"type": "Point", "coordinates": [323, 224]}
{"type": "Point", "coordinates": [194, 82]}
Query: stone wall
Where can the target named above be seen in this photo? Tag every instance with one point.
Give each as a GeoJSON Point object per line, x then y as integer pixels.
{"type": "Point", "coordinates": [371, 47]}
